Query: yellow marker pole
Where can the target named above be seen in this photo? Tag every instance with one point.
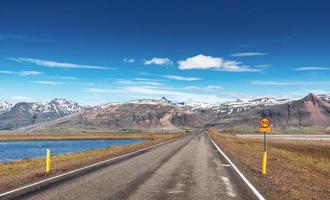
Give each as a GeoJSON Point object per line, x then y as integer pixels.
{"type": "Point", "coordinates": [264, 163]}
{"type": "Point", "coordinates": [48, 161]}
{"type": "Point", "coordinates": [264, 156]}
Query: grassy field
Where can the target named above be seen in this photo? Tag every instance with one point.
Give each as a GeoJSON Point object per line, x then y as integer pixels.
{"type": "Point", "coordinates": [24, 136]}
{"type": "Point", "coordinates": [294, 131]}
{"type": "Point", "coordinates": [16, 173]}
{"type": "Point", "coordinates": [296, 169]}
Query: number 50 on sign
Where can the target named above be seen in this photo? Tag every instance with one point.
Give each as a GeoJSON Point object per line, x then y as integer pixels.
{"type": "Point", "coordinates": [264, 125]}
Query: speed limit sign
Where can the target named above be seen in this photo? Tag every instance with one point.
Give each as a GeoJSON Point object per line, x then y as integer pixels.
{"type": "Point", "coordinates": [264, 124]}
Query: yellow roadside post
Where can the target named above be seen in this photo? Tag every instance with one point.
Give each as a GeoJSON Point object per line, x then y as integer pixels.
{"type": "Point", "coordinates": [264, 163]}
{"type": "Point", "coordinates": [264, 126]}
{"type": "Point", "coordinates": [48, 161]}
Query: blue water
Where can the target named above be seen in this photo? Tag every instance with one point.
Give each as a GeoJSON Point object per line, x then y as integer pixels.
{"type": "Point", "coordinates": [17, 150]}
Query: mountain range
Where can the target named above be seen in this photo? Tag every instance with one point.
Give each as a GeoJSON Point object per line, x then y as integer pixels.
{"type": "Point", "coordinates": [311, 111]}
{"type": "Point", "coordinates": [29, 113]}
{"type": "Point", "coordinates": [63, 115]}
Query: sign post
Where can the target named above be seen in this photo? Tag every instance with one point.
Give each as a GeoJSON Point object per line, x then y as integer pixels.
{"type": "Point", "coordinates": [264, 126]}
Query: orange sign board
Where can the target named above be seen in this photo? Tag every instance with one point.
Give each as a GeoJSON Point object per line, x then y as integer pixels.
{"type": "Point", "coordinates": [264, 124]}
{"type": "Point", "coordinates": [265, 129]}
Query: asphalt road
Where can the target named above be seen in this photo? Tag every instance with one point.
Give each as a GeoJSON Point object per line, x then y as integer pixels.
{"type": "Point", "coordinates": [188, 168]}
{"type": "Point", "coordinates": [288, 137]}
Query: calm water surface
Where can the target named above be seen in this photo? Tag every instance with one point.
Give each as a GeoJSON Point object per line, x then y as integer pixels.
{"type": "Point", "coordinates": [17, 150]}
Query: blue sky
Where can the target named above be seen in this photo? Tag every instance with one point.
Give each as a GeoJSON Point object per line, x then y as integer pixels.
{"type": "Point", "coordinates": [95, 52]}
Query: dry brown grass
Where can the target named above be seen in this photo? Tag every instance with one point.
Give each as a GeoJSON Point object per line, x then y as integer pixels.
{"type": "Point", "coordinates": [23, 136]}
{"type": "Point", "coordinates": [16, 173]}
{"type": "Point", "coordinates": [296, 169]}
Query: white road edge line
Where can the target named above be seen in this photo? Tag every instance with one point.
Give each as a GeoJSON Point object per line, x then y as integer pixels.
{"type": "Point", "coordinates": [80, 169]}
{"type": "Point", "coordinates": [254, 190]}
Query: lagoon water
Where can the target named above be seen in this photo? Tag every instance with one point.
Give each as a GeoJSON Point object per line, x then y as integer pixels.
{"type": "Point", "coordinates": [17, 150]}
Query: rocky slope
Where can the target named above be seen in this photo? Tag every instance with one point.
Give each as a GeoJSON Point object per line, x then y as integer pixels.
{"type": "Point", "coordinates": [212, 113]}
{"type": "Point", "coordinates": [59, 115]}
{"type": "Point", "coordinates": [29, 113]}
{"type": "Point", "coordinates": [307, 112]}
{"type": "Point", "coordinates": [141, 114]}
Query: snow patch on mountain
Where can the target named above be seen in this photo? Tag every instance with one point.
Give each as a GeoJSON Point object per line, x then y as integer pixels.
{"type": "Point", "coordinates": [161, 101]}
{"type": "Point", "coordinates": [324, 96]}
{"type": "Point", "coordinates": [57, 105]}
{"type": "Point", "coordinates": [239, 105]}
{"type": "Point", "coordinates": [200, 105]}
{"type": "Point", "coordinates": [5, 106]}
{"type": "Point", "coordinates": [228, 107]}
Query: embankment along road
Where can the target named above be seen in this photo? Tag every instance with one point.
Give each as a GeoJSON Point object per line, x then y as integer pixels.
{"type": "Point", "coordinates": [187, 168]}
{"type": "Point", "coordinates": [288, 137]}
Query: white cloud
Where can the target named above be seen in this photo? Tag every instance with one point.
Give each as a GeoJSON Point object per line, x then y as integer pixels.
{"type": "Point", "coordinates": [193, 87]}
{"type": "Point", "coordinates": [7, 72]}
{"type": "Point", "coordinates": [151, 83]}
{"type": "Point", "coordinates": [145, 91]}
{"type": "Point", "coordinates": [180, 96]}
{"type": "Point", "coordinates": [208, 62]}
{"type": "Point", "coordinates": [65, 77]}
{"type": "Point", "coordinates": [283, 83]}
{"type": "Point", "coordinates": [214, 87]}
{"type": "Point", "coordinates": [209, 87]}
{"type": "Point", "coordinates": [49, 82]}
{"type": "Point", "coordinates": [181, 78]}
{"type": "Point", "coordinates": [147, 79]}
{"type": "Point", "coordinates": [312, 68]}
{"type": "Point", "coordinates": [129, 60]}
{"type": "Point", "coordinates": [21, 98]}
{"type": "Point", "coordinates": [158, 61]}
{"type": "Point", "coordinates": [248, 54]}
{"type": "Point", "coordinates": [22, 73]}
{"type": "Point", "coordinates": [29, 73]}
{"type": "Point", "coordinates": [138, 82]}
{"type": "Point", "coordinates": [100, 90]}
{"type": "Point", "coordinates": [200, 62]}
{"type": "Point", "coordinates": [54, 64]}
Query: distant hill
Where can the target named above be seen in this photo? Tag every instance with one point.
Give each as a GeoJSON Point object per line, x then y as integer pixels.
{"type": "Point", "coordinates": [140, 114]}
{"type": "Point", "coordinates": [307, 112]}
{"type": "Point", "coordinates": [63, 115]}
{"type": "Point", "coordinates": [30, 113]}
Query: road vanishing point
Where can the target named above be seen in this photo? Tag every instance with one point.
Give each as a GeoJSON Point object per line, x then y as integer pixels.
{"type": "Point", "coordinates": [190, 168]}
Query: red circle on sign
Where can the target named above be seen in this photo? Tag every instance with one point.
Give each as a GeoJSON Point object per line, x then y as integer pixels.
{"type": "Point", "coordinates": [264, 122]}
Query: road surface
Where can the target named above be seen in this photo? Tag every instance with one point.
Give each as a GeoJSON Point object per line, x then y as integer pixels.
{"type": "Point", "coordinates": [188, 168]}
{"type": "Point", "coordinates": [288, 137]}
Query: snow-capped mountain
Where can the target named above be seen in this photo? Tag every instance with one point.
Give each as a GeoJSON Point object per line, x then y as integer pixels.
{"type": "Point", "coordinates": [140, 114]}
{"type": "Point", "coordinates": [29, 113]}
{"type": "Point", "coordinates": [200, 105]}
{"type": "Point", "coordinates": [163, 113]}
{"type": "Point", "coordinates": [58, 105]}
{"type": "Point", "coordinates": [239, 105]}
{"type": "Point", "coordinates": [162, 101]}
{"type": "Point", "coordinates": [227, 107]}
{"type": "Point", "coordinates": [310, 111]}
{"type": "Point", "coordinates": [4, 106]}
